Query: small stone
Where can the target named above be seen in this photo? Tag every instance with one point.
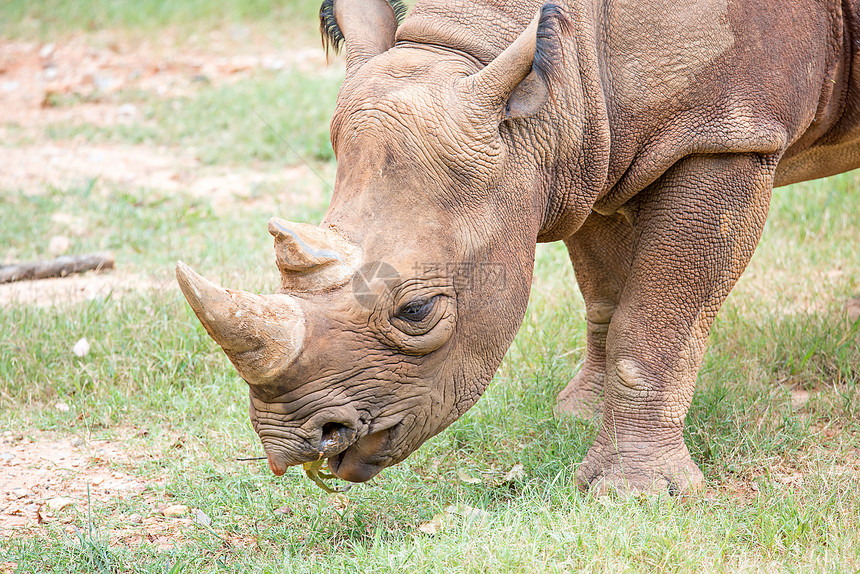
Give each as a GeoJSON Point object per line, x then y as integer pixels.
{"type": "Point", "coordinates": [105, 82]}
{"type": "Point", "coordinates": [6, 456]}
{"type": "Point", "coordinates": [19, 492]}
{"type": "Point", "coordinates": [285, 510]}
{"type": "Point", "coordinates": [516, 473]}
{"type": "Point", "coordinates": [81, 348]}
{"type": "Point", "coordinates": [76, 442]}
{"type": "Point", "coordinates": [435, 525]}
{"type": "Point", "coordinates": [201, 517]}
{"type": "Point", "coordinates": [127, 110]}
{"type": "Point", "coordinates": [50, 73]}
{"type": "Point", "coordinates": [135, 518]}
{"type": "Point", "coordinates": [174, 510]}
{"type": "Point", "coordinates": [62, 406]}
{"type": "Point", "coordinates": [274, 64]}
{"type": "Point", "coordinates": [47, 51]}
{"type": "Point", "coordinates": [59, 503]}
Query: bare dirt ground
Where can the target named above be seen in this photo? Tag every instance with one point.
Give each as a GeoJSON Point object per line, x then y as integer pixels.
{"type": "Point", "coordinates": [86, 70]}
{"type": "Point", "coordinates": [47, 480]}
{"type": "Point", "coordinates": [76, 288]}
{"type": "Point", "coordinates": [89, 69]}
{"type": "Point", "coordinates": [89, 66]}
{"type": "Point", "coordinates": [44, 478]}
{"type": "Point", "coordinates": [34, 167]}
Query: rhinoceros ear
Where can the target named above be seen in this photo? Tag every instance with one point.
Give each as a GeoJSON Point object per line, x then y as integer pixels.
{"type": "Point", "coordinates": [368, 26]}
{"type": "Point", "coordinates": [519, 81]}
{"type": "Point", "coordinates": [528, 97]}
{"type": "Point", "coordinates": [311, 258]}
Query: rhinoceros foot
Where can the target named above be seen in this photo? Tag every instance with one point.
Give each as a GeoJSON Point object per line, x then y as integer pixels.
{"type": "Point", "coordinates": [582, 397]}
{"type": "Point", "coordinates": [631, 468]}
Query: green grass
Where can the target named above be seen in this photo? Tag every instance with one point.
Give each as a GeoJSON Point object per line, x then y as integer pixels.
{"type": "Point", "coordinates": [47, 18]}
{"type": "Point", "coordinates": [148, 230]}
{"type": "Point", "coordinates": [783, 491]}
{"type": "Point", "coordinates": [152, 367]}
{"type": "Point", "coordinates": [279, 117]}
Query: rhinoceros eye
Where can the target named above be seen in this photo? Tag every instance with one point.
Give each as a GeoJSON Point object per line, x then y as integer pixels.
{"type": "Point", "coordinates": [423, 323]}
{"type": "Point", "coordinates": [417, 310]}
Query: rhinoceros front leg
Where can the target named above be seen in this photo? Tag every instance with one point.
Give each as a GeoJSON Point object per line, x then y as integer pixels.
{"type": "Point", "coordinates": [601, 252]}
{"type": "Point", "coordinates": [695, 230]}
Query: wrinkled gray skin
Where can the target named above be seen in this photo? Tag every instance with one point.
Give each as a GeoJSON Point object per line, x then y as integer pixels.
{"type": "Point", "coordinates": [647, 136]}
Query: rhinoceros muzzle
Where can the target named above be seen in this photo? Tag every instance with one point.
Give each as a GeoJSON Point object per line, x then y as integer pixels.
{"type": "Point", "coordinates": [363, 459]}
{"type": "Point", "coordinates": [335, 439]}
{"type": "Point", "coordinates": [350, 456]}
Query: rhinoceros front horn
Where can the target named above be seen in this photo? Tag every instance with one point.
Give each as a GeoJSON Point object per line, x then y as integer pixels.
{"type": "Point", "coordinates": [261, 334]}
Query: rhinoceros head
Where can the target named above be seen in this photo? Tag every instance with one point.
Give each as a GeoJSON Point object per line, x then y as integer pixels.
{"type": "Point", "coordinates": [395, 312]}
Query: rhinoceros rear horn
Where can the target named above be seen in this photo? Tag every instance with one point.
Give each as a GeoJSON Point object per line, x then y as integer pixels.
{"type": "Point", "coordinates": [519, 81]}
{"type": "Point", "coordinates": [312, 258]}
{"type": "Point", "coordinates": [368, 26]}
{"type": "Point", "coordinates": [261, 334]}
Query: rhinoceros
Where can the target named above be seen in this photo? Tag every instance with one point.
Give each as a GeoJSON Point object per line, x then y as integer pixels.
{"type": "Point", "coordinates": [645, 134]}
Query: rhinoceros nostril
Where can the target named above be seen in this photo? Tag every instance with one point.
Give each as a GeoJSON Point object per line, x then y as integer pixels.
{"type": "Point", "coordinates": [335, 437]}
{"type": "Point", "coordinates": [331, 430]}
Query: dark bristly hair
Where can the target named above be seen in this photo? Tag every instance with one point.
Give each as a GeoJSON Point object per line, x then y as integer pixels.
{"type": "Point", "coordinates": [332, 36]}
{"type": "Point", "coordinates": [549, 56]}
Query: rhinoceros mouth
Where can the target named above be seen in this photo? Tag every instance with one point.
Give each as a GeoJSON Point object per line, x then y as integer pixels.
{"type": "Point", "coordinates": [364, 458]}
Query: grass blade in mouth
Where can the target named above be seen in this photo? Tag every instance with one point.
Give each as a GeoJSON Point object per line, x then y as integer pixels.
{"type": "Point", "coordinates": [314, 471]}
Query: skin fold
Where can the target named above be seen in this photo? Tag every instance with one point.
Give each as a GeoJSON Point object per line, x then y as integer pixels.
{"type": "Point", "coordinates": [647, 136]}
